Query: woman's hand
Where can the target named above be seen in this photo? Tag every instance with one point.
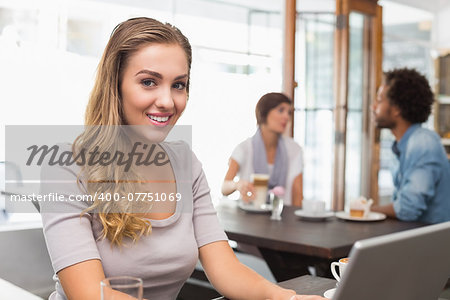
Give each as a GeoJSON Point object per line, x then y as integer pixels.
{"type": "Point", "coordinates": [307, 297]}
{"type": "Point", "coordinates": [246, 189]}
{"type": "Point", "coordinates": [284, 294]}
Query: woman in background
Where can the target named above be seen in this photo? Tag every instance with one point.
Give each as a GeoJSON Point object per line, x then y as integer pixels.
{"type": "Point", "coordinates": [268, 152]}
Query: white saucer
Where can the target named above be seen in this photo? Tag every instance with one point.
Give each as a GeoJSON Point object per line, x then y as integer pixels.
{"type": "Point", "coordinates": [254, 209]}
{"type": "Point", "coordinates": [313, 216]}
{"type": "Point", "coordinates": [373, 216]}
{"type": "Point", "coordinates": [329, 293]}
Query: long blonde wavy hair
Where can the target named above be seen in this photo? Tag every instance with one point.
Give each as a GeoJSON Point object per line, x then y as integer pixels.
{"type": "Point", "coordinates": [105, 110]}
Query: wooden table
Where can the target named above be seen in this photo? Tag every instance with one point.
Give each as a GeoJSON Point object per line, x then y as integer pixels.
{"type": "Point", "coordinates": [308, 285]}
{"type": "Point", "coordinates": [291, 245]}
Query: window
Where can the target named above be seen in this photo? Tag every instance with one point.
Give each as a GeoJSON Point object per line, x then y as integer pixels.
{"type": "Point", "coordinates": [50, 52]}
{"type": "Point", "coordinates": [406, 43]}
{"type": "Point", "coordinates": [313, 119]}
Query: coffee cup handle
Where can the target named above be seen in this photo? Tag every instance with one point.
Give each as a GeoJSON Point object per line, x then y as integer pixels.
{"type": "Point", "coordinates": [333, 270]}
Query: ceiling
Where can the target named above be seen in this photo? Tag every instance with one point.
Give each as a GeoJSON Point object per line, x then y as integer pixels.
{"type": "Point", "coordinates": [432, 6]}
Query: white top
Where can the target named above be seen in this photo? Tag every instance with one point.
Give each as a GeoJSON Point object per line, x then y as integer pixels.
{"type": "Point", "coordinates": [271, 166]}
{"type": "Point", "coordinates": [243, 155]}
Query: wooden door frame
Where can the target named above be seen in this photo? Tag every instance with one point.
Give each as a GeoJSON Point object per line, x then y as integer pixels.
{"type": "Point", "coordinates": [289, 83]}
{"type": "Point", "coordinates": [377, 77]}
{"type": "Point", "coordinates": [372, 55]}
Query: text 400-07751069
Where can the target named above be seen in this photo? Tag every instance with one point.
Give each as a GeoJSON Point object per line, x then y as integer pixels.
{"type": "Point", "coordinates": [157, 197]}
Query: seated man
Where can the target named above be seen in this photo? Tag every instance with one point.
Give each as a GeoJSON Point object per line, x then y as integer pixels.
{"type": "Point", "coordinates": [422, 177]}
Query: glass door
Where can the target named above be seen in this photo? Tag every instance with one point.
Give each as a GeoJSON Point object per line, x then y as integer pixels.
{"type": "Point", "coordinates": [314, 101]}
{"type": "Point", "coordinates": [357, 75]}
{"type": "Point", "coordinates": [355, 99]}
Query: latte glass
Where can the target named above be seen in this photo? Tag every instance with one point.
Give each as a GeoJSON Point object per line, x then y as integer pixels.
{"type": "Point", "coordinates": [260, 182]}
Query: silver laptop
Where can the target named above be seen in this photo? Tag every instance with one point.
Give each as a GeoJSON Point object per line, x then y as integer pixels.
{"type": "Point", "coordinates": [409, 265]}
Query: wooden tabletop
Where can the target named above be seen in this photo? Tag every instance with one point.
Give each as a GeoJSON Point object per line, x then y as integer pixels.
{"type": "Point", "coordinates": [328, 239]}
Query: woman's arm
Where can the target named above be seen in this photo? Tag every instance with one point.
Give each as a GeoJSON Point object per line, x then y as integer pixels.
{"type": "Point", "coordinates": [234, 280]}
{"type": "Point", "coordinates": [297, 190]}
{"type": "Point", "coordinates": [82, 281]}
{"type": "Point", "coordinates": [229, 186]}
{"type": "Point", "coordinates": [243, 186]}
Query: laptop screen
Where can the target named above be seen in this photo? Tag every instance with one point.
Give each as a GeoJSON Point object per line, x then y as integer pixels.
{"type": "Point", "coordinates": [410, 265]}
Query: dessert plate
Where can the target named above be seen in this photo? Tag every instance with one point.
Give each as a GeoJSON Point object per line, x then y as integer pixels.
{"type": "Point", "coordinates": [313, 216]}
{"type": "Point", "coordinates": [254, 209]}
{"type": "Point", "coordinates": [373, 216]}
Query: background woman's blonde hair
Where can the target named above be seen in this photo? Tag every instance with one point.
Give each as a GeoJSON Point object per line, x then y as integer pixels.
{"type": "Point", "coordinates": [105, 111]}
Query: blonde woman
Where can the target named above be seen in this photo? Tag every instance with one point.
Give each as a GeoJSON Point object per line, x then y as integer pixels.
{"type": "Point", "coordinates": [143, 81]}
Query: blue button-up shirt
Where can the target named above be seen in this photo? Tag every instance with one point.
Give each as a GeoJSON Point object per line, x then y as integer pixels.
{"type": "Point", "coordinates": [422, 178]}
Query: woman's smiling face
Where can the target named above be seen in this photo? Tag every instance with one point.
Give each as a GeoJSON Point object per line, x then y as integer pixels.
{"type": "Point", "coordinates": [154, 85]}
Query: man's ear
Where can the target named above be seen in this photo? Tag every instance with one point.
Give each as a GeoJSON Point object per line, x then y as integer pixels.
{"type": "Point", "coordinates": [395, 110]}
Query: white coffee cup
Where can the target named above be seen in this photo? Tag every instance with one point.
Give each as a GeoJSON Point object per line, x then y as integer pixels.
{"type": "Point", "coordinates": [260, 184]}
{"type": "Point", "coordinates": [342, 264]}
{"type": "Point", "coordinates": [313, 207]}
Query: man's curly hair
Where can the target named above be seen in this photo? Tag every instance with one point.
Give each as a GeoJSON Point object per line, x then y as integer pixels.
{"type": "Point", "coordinates": [411, 93]}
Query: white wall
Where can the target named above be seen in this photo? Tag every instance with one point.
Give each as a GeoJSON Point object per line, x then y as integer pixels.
{"type": "Point", "coordinates": [442, 32]}
{"type": "Point", "coordinates": [440, 9]}
{"type": "Point", "coordinates": [42, 86]}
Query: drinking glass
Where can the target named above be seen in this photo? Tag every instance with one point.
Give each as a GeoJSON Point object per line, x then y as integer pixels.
{"type": "Point", "coordinates": [277, 206]}
{"type": "Point", "coordinates": [112, 287]}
